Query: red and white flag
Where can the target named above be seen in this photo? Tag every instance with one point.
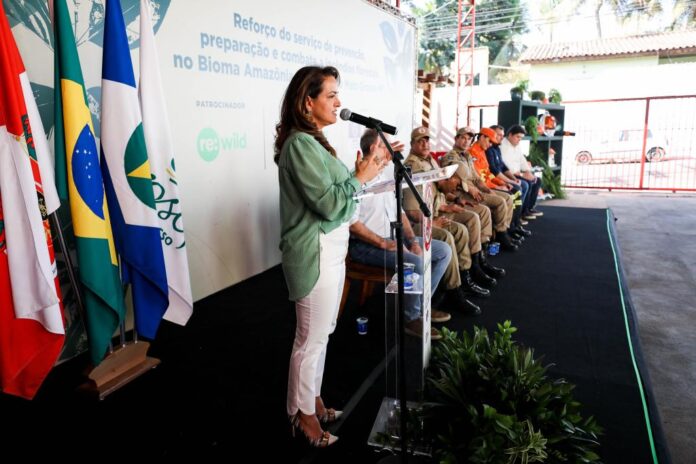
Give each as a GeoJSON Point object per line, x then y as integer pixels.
{"type": "Point", "coordinates": [31, 321]}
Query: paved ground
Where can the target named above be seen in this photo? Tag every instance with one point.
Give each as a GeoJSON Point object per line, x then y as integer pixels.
{"type": "Point", "coordinates": [657, 236]}
{"type": "Point", "coordinates": [679, 172]}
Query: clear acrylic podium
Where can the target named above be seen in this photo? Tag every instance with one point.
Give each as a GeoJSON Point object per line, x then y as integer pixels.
{"type": "Point", "coordinates": [385, 432]}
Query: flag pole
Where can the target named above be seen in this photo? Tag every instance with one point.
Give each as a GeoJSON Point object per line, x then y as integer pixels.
{"type": "Point", "coordinates": [69, 265]}
{"type": "Point", "coordinates": [122, 333]}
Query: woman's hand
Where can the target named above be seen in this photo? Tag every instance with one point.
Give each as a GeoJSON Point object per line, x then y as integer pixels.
{"type": "Point", "coordinates": [367, 167]}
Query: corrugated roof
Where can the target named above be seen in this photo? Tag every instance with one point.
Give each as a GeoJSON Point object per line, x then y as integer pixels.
{"type": "Point", "coordinates": [678, 42]}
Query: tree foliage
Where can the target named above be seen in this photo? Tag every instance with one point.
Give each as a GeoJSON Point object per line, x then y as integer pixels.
{"type": "Point", "coordinates": [499, 24]}
{"type": "Point", "coordinates": [683, 12]}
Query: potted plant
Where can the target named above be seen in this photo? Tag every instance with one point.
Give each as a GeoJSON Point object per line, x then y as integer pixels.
{"type": "Point", "coordinates": [495, 403]}
{"type": "Point", "coordinates": [521, 88]}
{"type": "Point", "coordinates": [555, 96]}
{"type": "Point", "coordinates": [516, 93]}
{"type": "Point", "coordinates": [537, 95]}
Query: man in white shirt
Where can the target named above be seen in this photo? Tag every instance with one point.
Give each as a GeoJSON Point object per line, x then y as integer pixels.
{"type": "Point", "coordinates": [516, 162]}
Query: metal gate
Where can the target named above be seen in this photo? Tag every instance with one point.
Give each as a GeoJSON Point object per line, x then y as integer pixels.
{"type": "Point", "coordinates": [628, 143]}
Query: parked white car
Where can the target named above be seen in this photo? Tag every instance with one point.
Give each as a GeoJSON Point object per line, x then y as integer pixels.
{"type": "Point", "coordinates": [623, 145]}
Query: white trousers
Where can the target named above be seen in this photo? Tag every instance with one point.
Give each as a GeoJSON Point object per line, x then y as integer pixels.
{"type": "Point", "coordinates": [316, 320]}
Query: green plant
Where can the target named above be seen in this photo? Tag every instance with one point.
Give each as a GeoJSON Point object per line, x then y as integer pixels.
{"type": "Point", "coordinates": [531, 125]}
{"type": "Point", "coordinates": [537, 95]}
{"type": "Point", "coordinates": [555, 96]}
{"type": "Point", "coordinates": [497, 405]}
{"type": "Point", "coordinates": [523, 85]}
{"type": "Point", "coordinates": [549, 180]}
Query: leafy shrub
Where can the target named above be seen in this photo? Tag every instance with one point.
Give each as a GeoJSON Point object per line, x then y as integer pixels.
{"type": "Point", "coordinates": [549, 180]}
{"type": "Point", "coordinates": [495, 404]}
{"type": "Point", "coordinates": [537, 95]}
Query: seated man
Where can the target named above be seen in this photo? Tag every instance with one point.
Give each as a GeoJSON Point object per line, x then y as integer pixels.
{"type": "Point", "coordinates": [452, 185]}
{"type": "Point", "coordinates": [500, 170]}
{"type": "Point", "coordinates": [515, 160]}
{"type": "Point", "coordinates": [370, 243]}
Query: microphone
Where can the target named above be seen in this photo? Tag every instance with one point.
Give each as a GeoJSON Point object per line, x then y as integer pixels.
{"type": "Point", "coordinates": [348, 115]}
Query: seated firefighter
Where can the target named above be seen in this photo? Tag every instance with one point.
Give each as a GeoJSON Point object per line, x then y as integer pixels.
{"type": "Point", "coordinates": [474, 188]}
{"type": "Point", "coordinates": [420, 160]}
{"type": "Point", "coordinates": [477, 152]}
{"type": "Point", "coordinates": [371, 244]}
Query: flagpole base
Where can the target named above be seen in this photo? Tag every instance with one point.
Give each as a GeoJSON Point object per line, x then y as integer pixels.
{"type": "Point", "coordinates": [119, 368]}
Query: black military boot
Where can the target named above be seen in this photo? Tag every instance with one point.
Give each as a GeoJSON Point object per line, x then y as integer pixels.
{"type": "Point", "coordinates": [479, 275]}
{"type": "Point", "coordinates": [470, 287]}
{"type": "Point", "coordinates": [459, 302]}
{"type": "Point", "coordinates": [517, 239]}
{"type": "Point", "coordinates": [488, 268]}
{"type": "Point", "coordinates": [506, 242]}
{"type": "Point", "coordinates": [522, 232]}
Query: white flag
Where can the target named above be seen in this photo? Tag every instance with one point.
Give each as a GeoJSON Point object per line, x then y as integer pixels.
{"type": "Point", "coordinates": [161, 155]}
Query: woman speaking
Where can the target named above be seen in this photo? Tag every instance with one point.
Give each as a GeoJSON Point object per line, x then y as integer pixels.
{"type": "Point", "coordinates": [316, 202]}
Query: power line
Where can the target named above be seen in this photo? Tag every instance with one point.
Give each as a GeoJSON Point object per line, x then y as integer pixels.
{"type": "Point", "coordinates": [494, 25]}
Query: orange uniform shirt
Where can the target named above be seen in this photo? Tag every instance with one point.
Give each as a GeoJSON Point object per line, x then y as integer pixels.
{"type": "Point", "coordinates": [481, 165]}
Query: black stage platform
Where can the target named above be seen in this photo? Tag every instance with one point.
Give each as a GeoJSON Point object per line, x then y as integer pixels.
{"type": "Point", "coordinates": [220, 390]}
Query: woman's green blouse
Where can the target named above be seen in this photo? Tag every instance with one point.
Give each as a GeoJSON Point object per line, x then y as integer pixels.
{"type": "Point", "coordinates": [316, 195]}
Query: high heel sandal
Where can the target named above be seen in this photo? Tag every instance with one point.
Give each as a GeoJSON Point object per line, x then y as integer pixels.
{"type": "Point", "coordinates": [324, 440]}
{"type": "Point", "coordinates": [329, 416]}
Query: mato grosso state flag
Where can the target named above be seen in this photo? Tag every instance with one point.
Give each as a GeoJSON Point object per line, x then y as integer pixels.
{"type": "Point", "coordinates": [79, 178]}
{"type": "Point", "coordinates": [31, 321]}
{"type": "Point", "coordinates": [128, 180]}
{"type": "Point", "coordinates": [160, 150]}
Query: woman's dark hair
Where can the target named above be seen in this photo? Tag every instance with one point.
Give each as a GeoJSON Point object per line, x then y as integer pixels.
{"type": "Point", "coordinates": [307, 82]}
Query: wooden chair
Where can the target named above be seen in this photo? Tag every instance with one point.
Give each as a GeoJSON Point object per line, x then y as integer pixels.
{"type": "Point", "coordinates": [368, 275]}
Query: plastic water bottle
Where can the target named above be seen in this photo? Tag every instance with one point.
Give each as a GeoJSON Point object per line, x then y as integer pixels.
{"type": "Point", "coordinates": [409, 268]}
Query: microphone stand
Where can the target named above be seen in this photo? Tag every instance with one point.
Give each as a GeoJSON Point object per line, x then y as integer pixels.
{"type": "Point", "coordinates": [400, 175]}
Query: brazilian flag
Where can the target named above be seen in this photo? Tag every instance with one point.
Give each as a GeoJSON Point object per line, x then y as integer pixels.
{"type": "Point", "coordinates": [79, 179]}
